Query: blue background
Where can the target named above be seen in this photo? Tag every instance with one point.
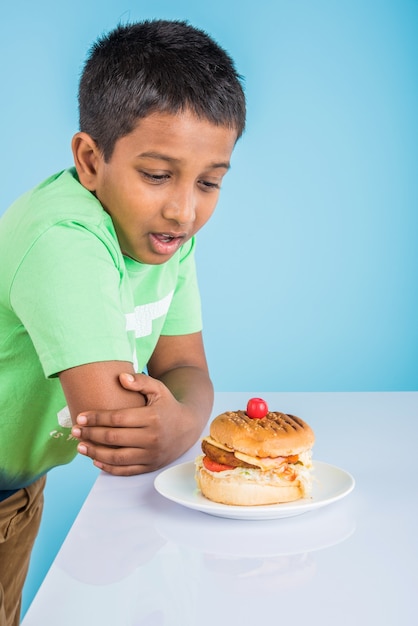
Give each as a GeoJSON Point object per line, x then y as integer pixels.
{"type": "Point", "coordinates": [308, 268]}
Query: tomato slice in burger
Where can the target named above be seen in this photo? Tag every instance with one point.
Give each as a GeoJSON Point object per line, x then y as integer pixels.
{"type": "Point", "coordinates": [213, 466]}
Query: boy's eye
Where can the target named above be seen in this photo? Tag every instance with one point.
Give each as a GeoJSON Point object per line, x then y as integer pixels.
{"type": "Point", "coordinates": [209, 186]}
{"type": "Point", "coordinates": [155, 178]}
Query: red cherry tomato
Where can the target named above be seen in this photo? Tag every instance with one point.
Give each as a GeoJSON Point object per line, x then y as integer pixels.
{"type": "Point", "coordinates": [213, 466]}
{"type": "Point", "coordinates": [257, 408]}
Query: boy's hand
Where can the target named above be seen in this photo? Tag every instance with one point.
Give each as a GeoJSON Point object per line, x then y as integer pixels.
{"type": "Point", "coordinates": [140, 439]}
{"type": "Point", "coordinates": [142, 422]}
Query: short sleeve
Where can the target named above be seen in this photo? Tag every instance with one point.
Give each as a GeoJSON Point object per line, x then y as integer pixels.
{"type": "Point", "coordinates": [67, 293]}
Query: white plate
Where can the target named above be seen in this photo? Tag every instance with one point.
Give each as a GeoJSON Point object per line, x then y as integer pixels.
{"type": "Point", "coordinates": [178, 484]}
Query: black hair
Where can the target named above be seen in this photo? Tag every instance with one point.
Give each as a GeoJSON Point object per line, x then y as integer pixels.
{"type": "Point", "coordinates": [156, 65]}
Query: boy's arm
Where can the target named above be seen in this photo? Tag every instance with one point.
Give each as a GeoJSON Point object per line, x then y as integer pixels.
{"type": "Point", "coordinates": [97, 385]}
{"type": "Point", "coordinates": [180, 363]}
{"type": "Point", "coordinates": [123, 436]}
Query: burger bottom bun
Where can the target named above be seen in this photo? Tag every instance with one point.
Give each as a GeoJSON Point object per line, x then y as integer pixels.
{"type": "Point", "coordinates": [237, 490]}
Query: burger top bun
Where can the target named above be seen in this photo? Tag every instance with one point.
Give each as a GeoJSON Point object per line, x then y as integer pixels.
{"type": "Point", "coordinates": [276, 434]}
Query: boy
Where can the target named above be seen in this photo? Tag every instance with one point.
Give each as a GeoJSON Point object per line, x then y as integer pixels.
{"type": "Point", "coordinates": [98, 279]}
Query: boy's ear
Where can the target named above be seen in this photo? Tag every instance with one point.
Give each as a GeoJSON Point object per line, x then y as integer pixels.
{"type": "Point", "coordinates": [87, 159]}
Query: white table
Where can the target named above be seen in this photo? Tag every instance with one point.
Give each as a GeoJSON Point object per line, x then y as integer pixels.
{"type": "Point", "coordinates": [135, 558]}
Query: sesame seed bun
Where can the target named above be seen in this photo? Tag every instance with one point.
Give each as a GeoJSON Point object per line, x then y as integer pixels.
{"type": "Point", "coordinates": [276, 434]}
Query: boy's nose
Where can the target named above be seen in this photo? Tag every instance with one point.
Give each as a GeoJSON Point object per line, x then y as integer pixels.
{"type": "Point", "coordinates": [181, 207]}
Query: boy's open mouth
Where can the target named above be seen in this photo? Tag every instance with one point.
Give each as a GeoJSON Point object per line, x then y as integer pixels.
{"type": "Point", "coordinates": [165, 238]}
{"type": "Point", "coordinates": [166, 243]}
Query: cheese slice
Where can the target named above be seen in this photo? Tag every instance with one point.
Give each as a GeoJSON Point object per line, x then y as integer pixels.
{"type": "Point", "coordinates": [265, 463]}
{"type": "Point", "coordinates": [215, 443]}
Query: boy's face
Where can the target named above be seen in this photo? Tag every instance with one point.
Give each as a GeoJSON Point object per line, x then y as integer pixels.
{"type": "Point", "coordinates": [162, 183]}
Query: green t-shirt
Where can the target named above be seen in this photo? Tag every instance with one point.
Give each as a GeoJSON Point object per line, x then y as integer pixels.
{"type": "Point", "coordinates": [69, 297]}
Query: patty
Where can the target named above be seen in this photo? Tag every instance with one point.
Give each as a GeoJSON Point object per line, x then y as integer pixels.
{"type": "Point", "coordinates": [223, 456]}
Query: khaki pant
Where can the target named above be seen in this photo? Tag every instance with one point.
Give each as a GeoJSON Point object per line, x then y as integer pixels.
{"type": "Point", "coordinates": [20, 516]}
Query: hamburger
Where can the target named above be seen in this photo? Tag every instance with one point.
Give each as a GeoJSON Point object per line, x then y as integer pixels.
{"type": "Point", "coordinates": [256, 457]}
